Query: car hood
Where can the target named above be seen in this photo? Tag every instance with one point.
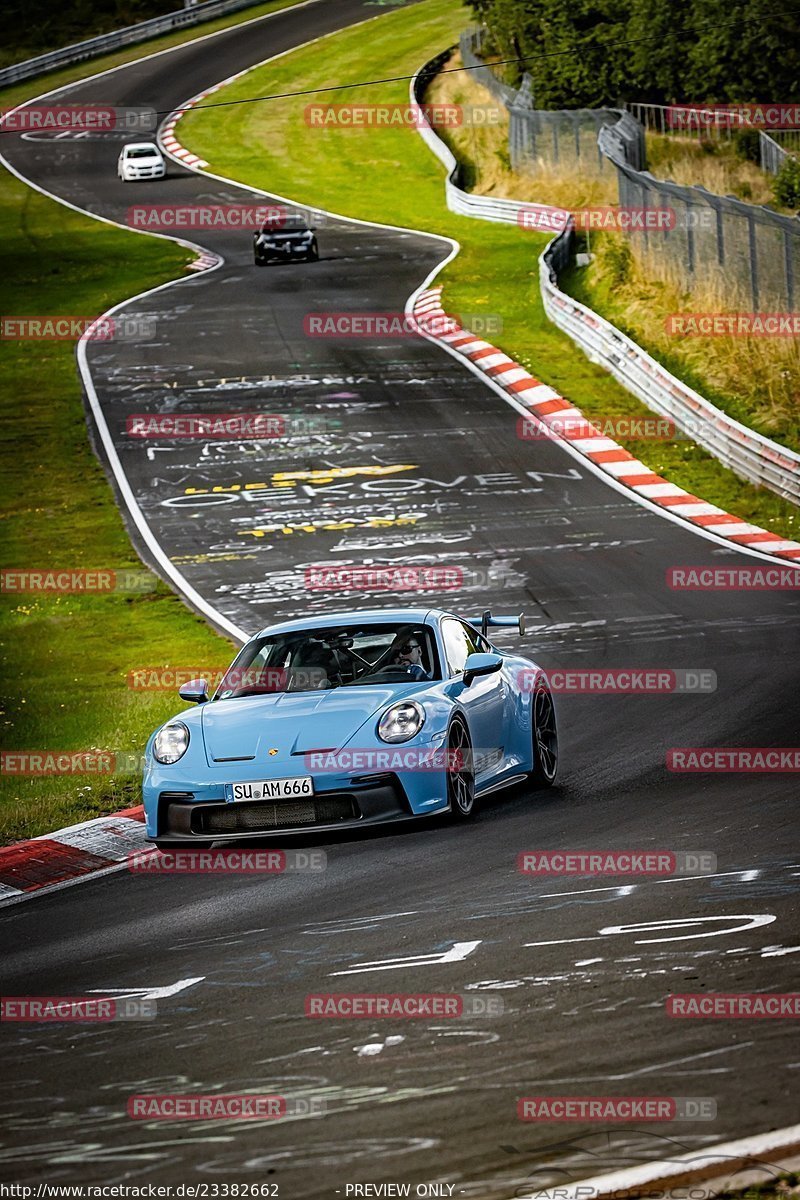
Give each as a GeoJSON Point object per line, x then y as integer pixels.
{"type": "Point", "coordinates": [291, 723]}
{"type": "Point", "coordinates": [284, 235]}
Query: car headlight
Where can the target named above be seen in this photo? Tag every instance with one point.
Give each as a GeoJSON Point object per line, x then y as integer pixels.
{"type": "Point", "coordinates": [401, 722]}
{"type": "Point", "coordinates": [171, 743]}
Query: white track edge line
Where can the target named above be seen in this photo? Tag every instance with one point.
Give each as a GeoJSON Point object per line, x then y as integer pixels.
{"type": "Point", "coordinates": [651, 1174]}
{"type": "Point", "coordinates": [595, 468]}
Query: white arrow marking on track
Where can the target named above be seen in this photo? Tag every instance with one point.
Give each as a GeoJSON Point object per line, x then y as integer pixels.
{"type": "Point", "coordinates": [456, 953]}
{"type": "Point", "coordinates": [149, 993]}
{"type": "Point", "coordinates": [752, 922]}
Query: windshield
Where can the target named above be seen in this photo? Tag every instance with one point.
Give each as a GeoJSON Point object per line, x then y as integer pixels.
{"type": "Point", "coordinates": [340, 656]}
{"type": "Point", "coordinates": [142, 152]}
{"type": "Point", "coordinates": [286, 225]}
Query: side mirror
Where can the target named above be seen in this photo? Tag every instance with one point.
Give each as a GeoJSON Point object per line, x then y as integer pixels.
{"type": "Point", "coordinates": [195, 692]}
{"type": "Point", "coordinates": [480, 664]}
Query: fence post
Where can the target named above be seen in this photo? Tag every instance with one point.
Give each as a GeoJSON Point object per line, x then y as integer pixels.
{"type": "Point", "coordinates": [751, 235]}
{"type": "Point", "coordinates": [787, 253]}
{"type": "Point", "coordinates": [720, 235]}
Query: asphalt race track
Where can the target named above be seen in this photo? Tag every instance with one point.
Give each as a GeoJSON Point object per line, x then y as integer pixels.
{"type": "Point", "coordinates": [584, 987]}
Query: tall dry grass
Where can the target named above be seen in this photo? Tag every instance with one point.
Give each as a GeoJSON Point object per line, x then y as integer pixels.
{"type": "Point", "coordinates": [483, 153]}
{"type": "Point", "coordinates": [641, 289]}
{"type": "Point", "coordinates": [628, 285]}
{"type": "Point", "coordinates": [714, 165]}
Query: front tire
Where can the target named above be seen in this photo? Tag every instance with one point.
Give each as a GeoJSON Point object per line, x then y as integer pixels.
{"type": "Point", "coordinates": [460, 772]}
{"type": "Point", "coordinates": [544, 736]}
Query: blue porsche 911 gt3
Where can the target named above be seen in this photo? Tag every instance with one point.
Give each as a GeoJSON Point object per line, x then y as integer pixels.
{"type": "Point", "coordinates": [350, 719]}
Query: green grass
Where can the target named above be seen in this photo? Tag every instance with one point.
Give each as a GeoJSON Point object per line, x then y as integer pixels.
{"type": "Point", "coordinates": [65, 658]}
{"type": "Point", "coordinates": [388, 174]}
{"type": "Point", "coordinates": [782, 1186]}
{"type": "Point", "coordinates": [18, 92]}
{"type": "Point", "coordinates": [32, 27]}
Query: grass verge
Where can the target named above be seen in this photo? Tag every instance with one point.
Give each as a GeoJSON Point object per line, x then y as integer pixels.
{"type": "Point", "coordinates": [783, 1186]}
{"type": "Point", "coordinates": [756, 380]}
{"type": "Point", "coordinates": [18, 92]}
{"type": "Point", "coordinates": [388, 174]}
{"type": "Point", "coordinates": [66, 658]}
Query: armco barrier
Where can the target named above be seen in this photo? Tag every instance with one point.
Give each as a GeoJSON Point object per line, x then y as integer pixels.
{"type": "Point", "coordinates": [120, 37]}
{"type": "Point", "coordinates": [749, 454]}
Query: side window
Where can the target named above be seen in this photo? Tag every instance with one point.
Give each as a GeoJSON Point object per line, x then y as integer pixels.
{"type": "Point", "coordinates": [477, 644]}
{"type": "Point", "coordinates": [457, 645]}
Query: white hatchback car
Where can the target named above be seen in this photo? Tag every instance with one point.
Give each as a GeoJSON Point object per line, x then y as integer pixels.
{"type": "Point", "coordinates": [141, 160]}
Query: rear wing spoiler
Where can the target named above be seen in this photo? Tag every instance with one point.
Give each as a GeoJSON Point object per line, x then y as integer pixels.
{"type": "Point", "coordinates": [486, 621]}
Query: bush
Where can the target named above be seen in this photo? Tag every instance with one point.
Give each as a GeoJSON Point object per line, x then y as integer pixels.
{"type": "Point", "coordinates": [747, 144]}
{"type": "Point", "coordinates": [786, 187]}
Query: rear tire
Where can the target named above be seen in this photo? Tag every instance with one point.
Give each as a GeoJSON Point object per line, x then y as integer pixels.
{"type": "Point", "coordinates": [460, 772]}
{"type": "Point", "coordinates": [544, 736]}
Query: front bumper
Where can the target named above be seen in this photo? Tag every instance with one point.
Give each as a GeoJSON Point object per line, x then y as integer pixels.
{"type": "Point", "coordinates": [281, 253]}
{"type": "Point", "coordinates": [373, 802]}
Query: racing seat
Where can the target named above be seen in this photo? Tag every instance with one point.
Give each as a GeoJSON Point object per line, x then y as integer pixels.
{"type": "Point", "coordinates": [309, 670]}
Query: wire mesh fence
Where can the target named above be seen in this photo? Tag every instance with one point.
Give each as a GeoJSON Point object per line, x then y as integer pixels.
{"type": "Point", "coordinates": [750, 252]}
{"type": "Point", "coordinates": [539, 137]}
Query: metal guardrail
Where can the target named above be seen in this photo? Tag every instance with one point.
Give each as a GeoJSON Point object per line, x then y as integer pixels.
{"type": "Point", "coordinates": [771, 155]}
{"type": "Point", "coordinates": [120, 37]}
{"type": "Point", "coordinates": [749, 454]}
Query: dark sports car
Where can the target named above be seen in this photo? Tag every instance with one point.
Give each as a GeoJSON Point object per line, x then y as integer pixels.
{"type": "Point", "coordinates": [285, 243]}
